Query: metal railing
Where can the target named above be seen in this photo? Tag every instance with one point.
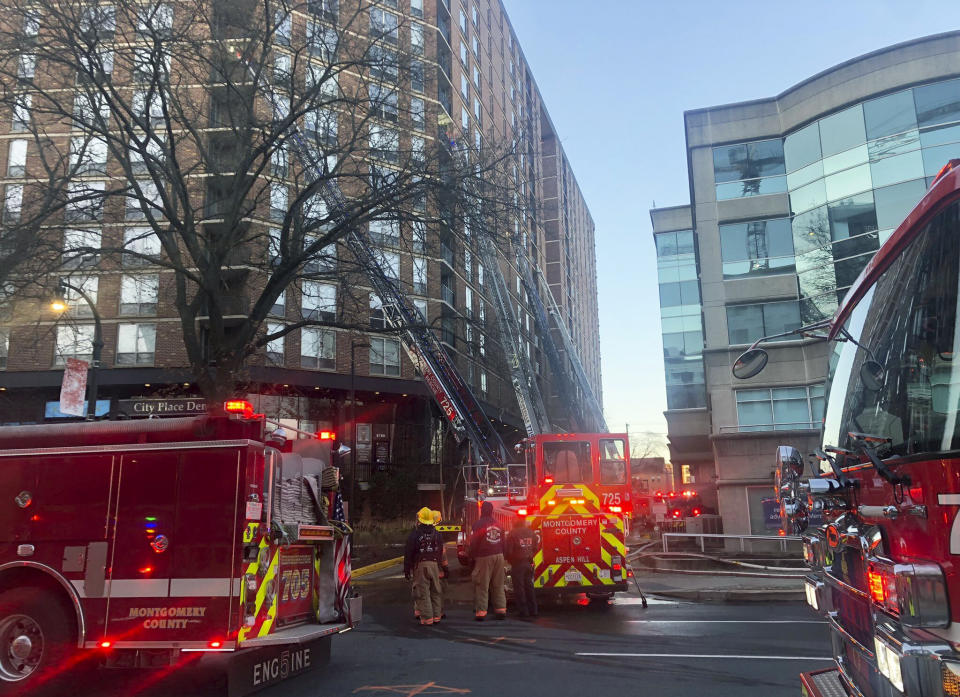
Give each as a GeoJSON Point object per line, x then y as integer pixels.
{"type": "Point", "coordinates": [780, 540]}
{"type": "Point", "coordinates": [760, 428]}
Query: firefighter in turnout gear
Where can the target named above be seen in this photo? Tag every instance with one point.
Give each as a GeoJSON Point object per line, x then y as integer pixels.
{"type": "Point", "coordinates": [486, 550]}
{"type": "Point", "coordinates": [424, 558]}
{"type": "Point", "coordinates": [520, 548]}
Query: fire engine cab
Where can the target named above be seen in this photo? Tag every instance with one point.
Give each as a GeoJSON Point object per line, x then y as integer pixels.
{"type": "Point", "coordinates": [574, 491]}
{"type": "Point", "coordinates": [137, 542]}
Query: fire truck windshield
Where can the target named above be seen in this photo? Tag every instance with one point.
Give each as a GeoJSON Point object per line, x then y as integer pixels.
{"type": "Point", "coordinates": [613, 466]}
{"type": "Point", "coordinates": [567, 461]}
{"type": "Point", "coordinates": [907, 321]}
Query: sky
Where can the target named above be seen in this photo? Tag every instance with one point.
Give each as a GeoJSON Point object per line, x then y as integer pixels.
{"type": "Point", "coordinates": [616, 77]}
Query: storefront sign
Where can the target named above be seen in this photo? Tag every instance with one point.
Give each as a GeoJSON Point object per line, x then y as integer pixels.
{"type": "Point", "coordinates": [185, 406]}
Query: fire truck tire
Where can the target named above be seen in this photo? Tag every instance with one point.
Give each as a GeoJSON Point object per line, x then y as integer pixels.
{"type": "Point", "coordinates": [36, 641]}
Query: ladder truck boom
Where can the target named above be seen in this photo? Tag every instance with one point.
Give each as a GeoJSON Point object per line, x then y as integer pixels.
{"type": "Point", "coordinates": [458, 403]}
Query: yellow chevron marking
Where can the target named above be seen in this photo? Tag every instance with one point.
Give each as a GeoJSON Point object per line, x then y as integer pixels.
{"type": "Point", "coordinates": [250, 532]}
{"type": "Point", "coordinates": [251, 569]}
{"type": "Point", "coordinates": [262, 592]}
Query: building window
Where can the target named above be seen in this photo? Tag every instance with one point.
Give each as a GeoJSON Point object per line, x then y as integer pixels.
{"type": "Point", "coordinates": [146, 108]}
{"type": "Point", "coordinates": [21, 113]}
{"type": "Point", "coordinates": [421, 307]}
{"type": "Point", "coordinates": [4, 347]}
{"type": "Point", "coordinates": [476, 47]}
{"type": "Point", "coordinates": [384, 142]}
{"type": "Point", "coordinates": [154, 21]}
{"type": "Point", "coordinates": [416, 8]}
{"type": "Point", "coordinates": [138, 294]}
{"type": "Point", "coordinates": [143, 155]}
{"type": "Point", "coordinates": [318, 348]}
{"type": "Point", "coordinates": [420, 275]}
{"type": "Point", "coordinates": [463, 23]}
{"type": "Point", "coordinates": [465, 87]}
{"type": "Point", "coordinates": [383, 25]}
{"type": "Point", "coordinates": [136, 344]}
{"type": "Point", "coordinates": [464, 55]}
{"type": "Point", "coordinates": [12, 204]}
{"type": "Point", "coordinates": [81, 247]}
{"type": "Point", "coordinates": [780, 408]}
{"type": "Point", "coordinates": [483, 381]}
{"type": "Point", "coordinates": [17, 158]}
{"type": "Point", "coordinates": [144, 204]}
{"type": "Point", "coordinates": [389, 262]}
{"type": "Point", "coordinates": [419, 236]}
{"type": "Point", "coordinates": [278, 202]}
{"type": "Point", "coordinates": [749, 169]}
{"type": "Point", "coordinates": [417, 83]}
{"type": "Point", "coordinates": [418, 149]}
{"type": "Point", "coordinates": [383, 102]}
{"type": "Point", "coordinates": [757, 248]}
{"type": "Point", "coordinates": [747, 323]}
{"type": "Point", "coordinates": [88, 155]}
{"type": "Point", "coordinates": [464, 119]}
{"type": "Point", "coordinates": [418, 114]}
{"type": "Point", "coordinates": [76, 304]}
{"type": "Point", "coordinates": [328, 9]}
{"type": "Point", "coordinates": [321, 260]}
{"type": "Point", "coordinates": [284, 28]}
{"type": "Point", "coordinates": [84, 201]}
{"type": "Point", "coordinates": [385, 231]}
{"type": "Point", "coordinates": [416, 39]}
{"type": "Point", "coordinates": [321, 41]}
{"type": "Point", "coordinates": [275, 346]}
{"type": "Point", "coordinates": [321, 125]}
{"type": "Point", "coordinates": [27, 66]}
{"type": "Point", "coordinates": [384, 64]}
{"type": "Point", "coordinates": [679, 294]}
{"type": "Point", "coordinates": [319, 301]}
{"type": "Point", "coordinates": [143, 246]}
{"type": "Point", "coordinates": [74, 341]}
{"type": "Point", "coordinates": [384, 356]}
{"type": "Point", "coordinates": [279, 307]}
{"type": "Point", "coordinates": [377, 318]}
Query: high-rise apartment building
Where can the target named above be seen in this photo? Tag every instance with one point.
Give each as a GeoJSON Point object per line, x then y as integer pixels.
{"type": "Point", "coordinates": [437, 62]}
{"type": "Point", "coordinates": [790, 198]}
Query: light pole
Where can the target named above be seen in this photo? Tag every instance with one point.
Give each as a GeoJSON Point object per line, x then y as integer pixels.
{"type": "Point", "coordinates": [59, 304]}
{"type": "Point", "coordinates": [354, 345]}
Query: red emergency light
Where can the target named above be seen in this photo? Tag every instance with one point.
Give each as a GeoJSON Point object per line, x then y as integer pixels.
{"type": "Point", "coordinates": [105, 644]}
{"type": "Point", "coordinates": [215, 644]}
{"type": "Point", "coordinates": [676, 513]}
{"type": "Point", "coordinates": [696, 512]}
{"type": "Point", "coordinates": [616, 509]}
{"type": "Point", "coordinates": [238, 406]}
{"type": "Point", "coordinates": [876, 584]}
{"type": "Point", "coordinates": [327, 435]}
{"type": "Point", "coordinates": [548, 480]}
{"type": "Point", "coordinates": [522, 512]}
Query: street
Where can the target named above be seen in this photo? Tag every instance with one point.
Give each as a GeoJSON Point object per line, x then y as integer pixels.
{"type": "Point", "coordinates": [670, 648]}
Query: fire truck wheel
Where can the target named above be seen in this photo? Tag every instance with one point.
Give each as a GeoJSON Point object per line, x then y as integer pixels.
{"type": "Point", "coordinates": [35, 639]}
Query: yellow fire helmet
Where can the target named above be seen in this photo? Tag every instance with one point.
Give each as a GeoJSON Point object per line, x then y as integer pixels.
{"type": "Point", "coordinates": [425, 516]}
{"type": "Point", "coordinates": [437, 517]}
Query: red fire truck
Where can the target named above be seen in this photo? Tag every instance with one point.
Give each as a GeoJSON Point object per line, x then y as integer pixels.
{"type": "Point", "coordinates": [886, 480]}
{"type": "Point", "coordinates": [574, 490]}
{"type": "Point", "coordinates": [137, 542]}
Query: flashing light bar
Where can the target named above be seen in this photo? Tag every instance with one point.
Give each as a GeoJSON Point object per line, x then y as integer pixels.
{"type": "Point", "coordinates": [327, 435]}
{"type": "Point", "coordinates": [548, 480]}
{"type": "Point", "coordinates": [522, 512]}
{"type": "Point", "coordinates": [238, 406]}
{"type": "Point", "coordinates": [552, 502]}
{"type": "Point", "coordinates": [616, 509]}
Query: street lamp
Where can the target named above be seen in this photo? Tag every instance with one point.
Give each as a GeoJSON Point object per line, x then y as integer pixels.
{"type": "Point", "coordinates": [354, 345]}
{"type": "Point", "coordinates": [59, 304]}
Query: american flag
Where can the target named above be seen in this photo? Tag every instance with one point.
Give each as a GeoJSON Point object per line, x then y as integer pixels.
{"type": "Point", "coordinates": [336, 512]}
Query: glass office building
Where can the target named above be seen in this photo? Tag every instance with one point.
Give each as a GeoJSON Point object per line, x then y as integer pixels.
{"type": "Point", "coordinates": [792, 197]}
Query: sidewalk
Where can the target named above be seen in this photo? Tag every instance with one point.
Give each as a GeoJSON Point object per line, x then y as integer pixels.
{"type": "Point", "coordinates": [718, 589]}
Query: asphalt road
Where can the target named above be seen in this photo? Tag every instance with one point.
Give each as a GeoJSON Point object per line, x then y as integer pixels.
{"type": "Point", "coordinates": [672, 648]}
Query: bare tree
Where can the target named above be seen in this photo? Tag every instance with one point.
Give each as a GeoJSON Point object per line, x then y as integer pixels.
{"type": "Point", "coordinates": [240, 142]}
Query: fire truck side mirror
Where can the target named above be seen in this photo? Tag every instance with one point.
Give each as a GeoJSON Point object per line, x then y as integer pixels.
{"type": "Point", "coordinates": [750, 363]}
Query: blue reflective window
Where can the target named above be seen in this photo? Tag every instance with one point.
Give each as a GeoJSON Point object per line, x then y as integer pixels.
{"type": "Point", "coordinates": [751, 187]}
{"type": "Point", "coordinates": [852, 216]}
{"type": "Point", "coordinates": [802, 147]}
{"type": "Point", "coordinates": [842, 131]}
{"type": "Point", "coordinates": [888, 115]}
{"type": "Point", "coordinates": [894, 202]}
{"type": "Point", "coordinates": [757, 239]}
{"type": "Point", "coordinates": [937, 104]}
{"type": "Point", "coordinates": [761, 158]}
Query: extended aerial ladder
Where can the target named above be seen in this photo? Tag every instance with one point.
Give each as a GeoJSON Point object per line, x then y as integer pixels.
{"type": "Point", "coordinates": [455, 399]}
{"type": "Point", "coordinates": [573, 383]}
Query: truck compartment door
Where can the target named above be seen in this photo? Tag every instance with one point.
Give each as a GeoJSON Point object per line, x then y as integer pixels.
{"type": "Point", "coordinates": [142, 548]}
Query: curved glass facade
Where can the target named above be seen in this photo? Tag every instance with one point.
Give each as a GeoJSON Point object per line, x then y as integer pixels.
{"type": "Point", "coordinates": [680, 319]}
{"type": "Point", "coordinates": [854, 175]}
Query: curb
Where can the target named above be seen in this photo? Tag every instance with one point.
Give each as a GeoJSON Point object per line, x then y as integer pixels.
{"type": "Point", "coordinates": [370, 568]}
{"type": "Point", "coordinates": [763, 595]}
